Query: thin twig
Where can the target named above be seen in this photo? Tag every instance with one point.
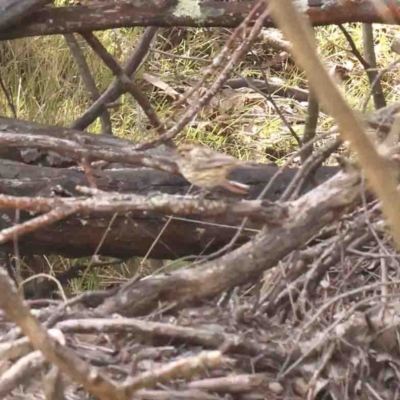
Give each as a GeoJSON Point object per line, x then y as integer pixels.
{"type": "Point", "coordinates": [369, 52]}
{"type": "Point", "coordinates": [88, 80]}
{"type": "Point", "coordinates": [8, 96]}
{"type": "Point", "coordinates": [310, 125]}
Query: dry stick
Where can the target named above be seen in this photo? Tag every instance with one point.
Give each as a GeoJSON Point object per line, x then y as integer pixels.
{"type": "Point", "coordinates": [77, 151]}
{"type": "Point", "coordinates": [78, 370]}
{"type": "Point", "coordinates": [125, 82]}
{"type": "Point", "coordinates": [88, 299]}
{"type": "Point", "coordinates": [301, 177]}
{"type": "Point", "coordinates": [312, 162]}
{"type": "Point", "coordinates": [116, 203]}
{"type": "Point", "coordinates": [368, 62]}
{"type": "Point", "coordinates": [100, 244]}
{"type": "Point", "coordinates": [20, 372]}
{"type": "Point", "coordinates": [294, 188]}
{"type": "Point", "coordinates": [184, 367]}
{"type": "Point", "coordinates": [277, 89]}
{"type": "Point", "coordinates": [354, 49]}
{"type": "Point", "coordinates": [378, 170]}
{"type": "Point", "coordinates": [320, 267]}
{"type": "Point", "coordinates": [32, 225]}
{"type": "Point", "coordinates": [311, 165]}
{"type": "Point", "coordinates": [48, 277]}
{"type": "Point", "coordinates": [84, 70]}
{"type": "Point", "coordinates": [15, 349]}
{"type": "Point", "coordinates": [87, 170]}
{"type": "Point", "coordinates": [384, 275]}
{"type": "Point", "coordinates": [53, 385]}
{"type": "Point", "coordinates": [310, 126]}
{"type": "Point", "coordinates": [8, 96]}
{"type": "Point", "coordinates": [232, 384]}
{"type": "Point", "coordinates": [394, 64]}
{"type": "Point", "coordinates": [159, 331]}
{"type": "Point", "coordinates": [311, 393]}
{"type": "Point", "coordinates": [291, 159]}
{"type": "Point", "coordinates": [114, 91]}
{"type": "Point", "coordinates": [193, 394]}
{"type": "Point", "coordinates": [269, 97]}
{"type": "Point", "coordinates": [341, 296]}
{"type": "Point", "coordinates": [241, 50]}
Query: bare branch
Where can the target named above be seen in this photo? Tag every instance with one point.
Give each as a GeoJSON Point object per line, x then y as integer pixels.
{"type": "Point", "coordinates": [114, 90]}
{"type": "Point", "coordinates": [184, 367]}
{"type": "Point", "coordinates": [57, 209]}
{"type": "Point", "coordinates": [77, 151]}
{"type": "Point", "coordinates": [126, 83]}
{"type": "Point", "coordinates": [88, 80]}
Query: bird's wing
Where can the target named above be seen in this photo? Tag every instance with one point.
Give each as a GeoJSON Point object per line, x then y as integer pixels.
{"type": "Point", "coordinates": [219, 160]}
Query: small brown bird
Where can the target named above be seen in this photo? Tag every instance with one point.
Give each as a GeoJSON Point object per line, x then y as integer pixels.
{"type": "Point", "coordinates": [208, 169]}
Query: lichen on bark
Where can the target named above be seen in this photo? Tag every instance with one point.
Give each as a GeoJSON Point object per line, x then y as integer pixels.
{"type": "Point", "coordinates": [188, 8]}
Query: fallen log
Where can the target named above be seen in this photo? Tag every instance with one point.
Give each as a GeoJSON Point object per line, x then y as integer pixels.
{"type": "Point", "coordinates": [133, 234]}
{"type": "Point", "coordinates": [97, 16]}
{"type": "Point", "coordinates": [128, 235]}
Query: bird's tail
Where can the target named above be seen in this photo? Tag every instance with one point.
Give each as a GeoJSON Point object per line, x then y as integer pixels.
{"type": "Point", "coordinates": [236, 187]}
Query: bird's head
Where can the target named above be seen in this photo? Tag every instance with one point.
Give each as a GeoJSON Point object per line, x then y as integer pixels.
{"type": "Point", "coordinates": [185, 150]}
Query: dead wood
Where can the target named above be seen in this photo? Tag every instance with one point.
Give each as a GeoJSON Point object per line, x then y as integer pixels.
{"type": "Point", "coordinates": [129, 235]}
{"type": "Point", "coordinates": [307, 216]}
{"type": "Point", "coordinates": [14, 11]}
{"type": "Point", "coordinates": [98, 16]}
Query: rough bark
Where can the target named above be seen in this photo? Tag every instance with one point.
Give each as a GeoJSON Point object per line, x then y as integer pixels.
{"type": "Point", "coordinates": [92, 17]}
{"type": "Point", "coordinates": [14, 11]}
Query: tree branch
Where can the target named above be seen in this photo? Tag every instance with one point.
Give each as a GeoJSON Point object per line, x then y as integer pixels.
{"type": "Point", "coordinates": [92, 17]}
